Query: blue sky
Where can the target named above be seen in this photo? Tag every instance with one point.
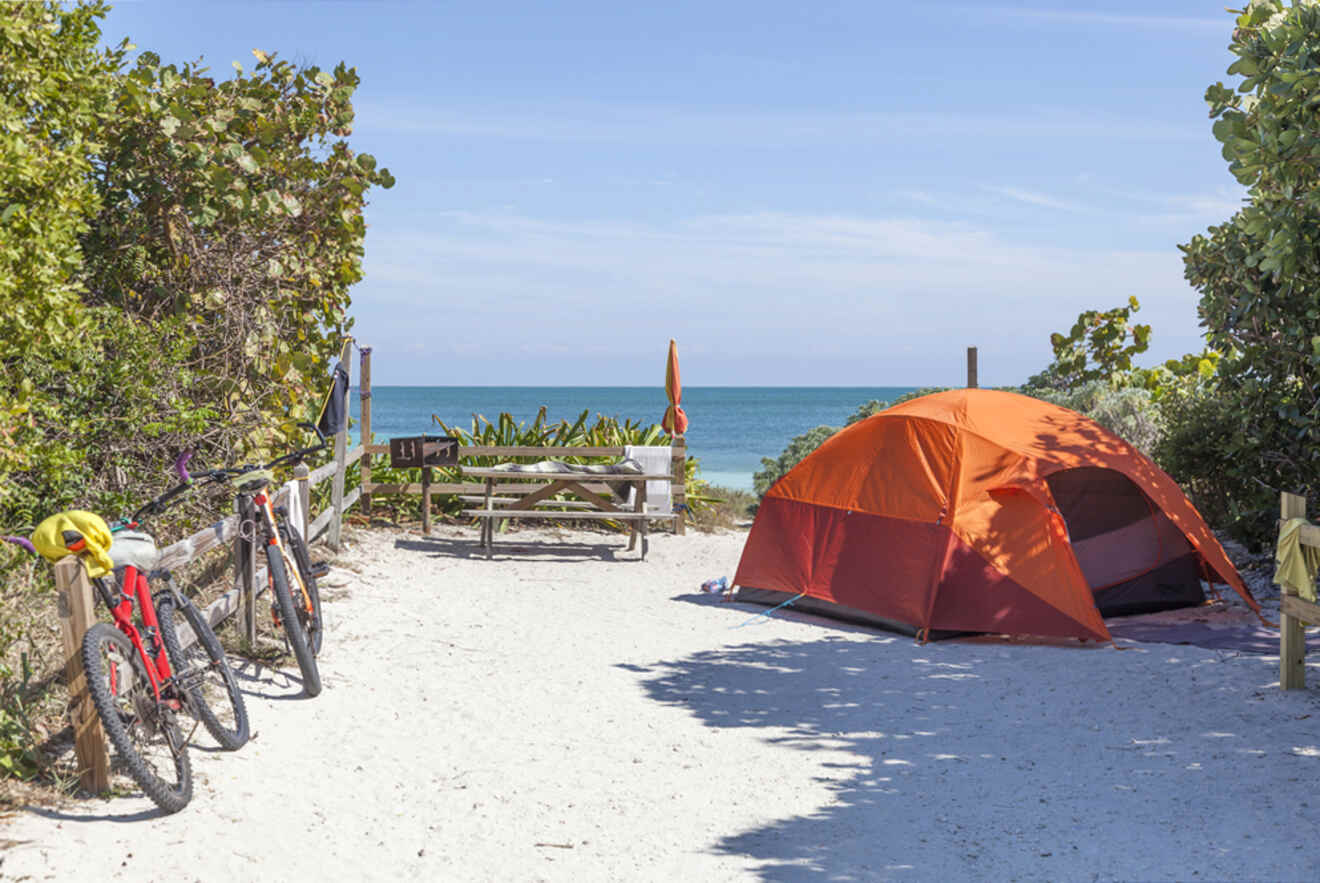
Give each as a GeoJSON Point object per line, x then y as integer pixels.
{"type": "Point", "coordinates": [834, 194]}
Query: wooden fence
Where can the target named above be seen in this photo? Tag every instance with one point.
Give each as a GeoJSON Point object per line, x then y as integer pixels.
{"type": "Point", "coordinates": [1295, 613]}
{"type": "Point", "coordinates": [427, 488]}
{"type": "Point", "coordinates": [77, 612]}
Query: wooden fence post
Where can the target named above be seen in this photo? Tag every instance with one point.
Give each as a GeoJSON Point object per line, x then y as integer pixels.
{"type": "Point", "coordinates": [426, 500]}
{"type": "Point", "coordinates": [337, 485]}
{"type": "Point", "coordinates": [300, 473]}
{"type": "Point", "coordinates": [364, 395]}
{"type": "Point", "coordinates": [678, 488]}
{"type": "Point", "coordinates": [1292, 637]}
{"type": "Point", "coordinates": [74, 600]}
{"type": "Point", "coordinates": [971, 367]}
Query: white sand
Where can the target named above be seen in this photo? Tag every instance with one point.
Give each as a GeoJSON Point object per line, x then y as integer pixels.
{"type": "Point", "coordinates": [574, 714]}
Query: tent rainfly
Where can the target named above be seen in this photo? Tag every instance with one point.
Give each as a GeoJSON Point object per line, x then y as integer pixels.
{"type": "Point", "coordinates": [981, 511]}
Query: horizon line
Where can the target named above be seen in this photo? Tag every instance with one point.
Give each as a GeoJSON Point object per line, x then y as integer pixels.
{"type": "Point", "coordinates": [643, 386]}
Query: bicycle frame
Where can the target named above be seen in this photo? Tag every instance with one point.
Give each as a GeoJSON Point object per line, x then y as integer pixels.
{"type": "Point", "coordinates": [154, 658]}
{"type": "Point", "coordinates": [262, 502]}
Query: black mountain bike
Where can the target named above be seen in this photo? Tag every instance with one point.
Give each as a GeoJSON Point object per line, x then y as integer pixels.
{"type": "Point", "coordinates": [290, 571]}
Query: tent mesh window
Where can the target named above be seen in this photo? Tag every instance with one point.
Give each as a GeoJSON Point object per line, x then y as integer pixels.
{"type": "Point", "coordinates": [1133, 557]}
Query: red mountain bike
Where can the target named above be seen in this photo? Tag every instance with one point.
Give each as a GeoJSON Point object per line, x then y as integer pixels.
{"type": "Point", "coordinates": [141, 675]}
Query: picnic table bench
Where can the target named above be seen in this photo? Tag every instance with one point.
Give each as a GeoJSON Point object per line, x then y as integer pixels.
{"type": "Point", "coordinates": [590, 487]}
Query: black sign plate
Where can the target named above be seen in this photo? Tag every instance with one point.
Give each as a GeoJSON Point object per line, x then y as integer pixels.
{"type": "Point", "coordinates": [423, 450]}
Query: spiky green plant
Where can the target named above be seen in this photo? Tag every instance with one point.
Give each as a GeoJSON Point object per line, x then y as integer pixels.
{"type": "Point", "coordinates": [505, 431]}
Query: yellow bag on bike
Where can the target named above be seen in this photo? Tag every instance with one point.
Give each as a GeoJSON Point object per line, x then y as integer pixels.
{"type": "Point", "coordinates": [61, 535]}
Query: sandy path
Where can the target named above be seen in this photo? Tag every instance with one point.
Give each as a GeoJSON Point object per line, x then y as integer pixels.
{"type": "Point", "coordinates": [565, 712]}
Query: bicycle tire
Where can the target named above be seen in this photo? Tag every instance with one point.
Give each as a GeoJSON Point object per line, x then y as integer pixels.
{"type": "Point", "coordinates": [145, 734]}
{"type": "Point", "coordinates": [292, 622]}
{"type": "Point", "coordinates": [313, 624]}
{"type": "Point", "coordinates": [204, 674]}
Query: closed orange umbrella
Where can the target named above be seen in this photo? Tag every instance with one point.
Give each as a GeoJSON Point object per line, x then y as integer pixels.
{"type": "Point", "coordinates": [675, 422]}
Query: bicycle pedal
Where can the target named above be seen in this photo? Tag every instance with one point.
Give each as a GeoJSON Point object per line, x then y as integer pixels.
{"type": "Point", "coordinates": [320, 569]}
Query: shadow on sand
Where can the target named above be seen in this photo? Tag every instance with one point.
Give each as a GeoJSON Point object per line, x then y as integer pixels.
{"type": "Point", "coordinates": [983, 762]}
{"type": "Point", "coordinates": [145, 815]}
{"type": "Point", "coordinates": [257, 679]}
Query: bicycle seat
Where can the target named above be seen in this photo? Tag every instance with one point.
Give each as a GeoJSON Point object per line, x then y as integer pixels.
{"type": "Point", "coordinates": [136, 548]}
{"type": "Point", "coordinates": [254, 480]}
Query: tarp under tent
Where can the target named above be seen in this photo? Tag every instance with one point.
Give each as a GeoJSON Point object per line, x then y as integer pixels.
{"type": "Point", "coordinates": [976, 510]}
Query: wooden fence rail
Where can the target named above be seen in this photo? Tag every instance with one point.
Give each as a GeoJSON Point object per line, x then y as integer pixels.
{"type": "Point", "coordinates": [77, 612]}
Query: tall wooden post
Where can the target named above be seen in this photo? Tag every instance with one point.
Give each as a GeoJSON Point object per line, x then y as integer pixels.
{"type": "Point", "coordinates": [678, 489]}
{"type": "Point", "coordinates": [971, 367]}
{"type": "Point", "coordinates": [364, 393]}
{"type": "Point", "coordinates": [337, 482]}
{"type": "Point", "coordinates": [74, 599]}
{"type": "Point", "coordinates": [1292, 637]}
{"type": "Point", "coordinates": [300, 475]}
{"type": "Point", "coordinates": [426, 500]}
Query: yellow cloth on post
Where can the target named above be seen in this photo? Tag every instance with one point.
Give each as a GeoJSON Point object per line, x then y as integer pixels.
{"type": "Point", "coordinates": [53, 545]}
{"type": "Point", "coordinates": [1295, 564]}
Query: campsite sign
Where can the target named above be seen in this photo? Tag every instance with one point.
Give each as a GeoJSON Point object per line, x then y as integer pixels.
{"type": "Point", "coordinates": [423, 450]}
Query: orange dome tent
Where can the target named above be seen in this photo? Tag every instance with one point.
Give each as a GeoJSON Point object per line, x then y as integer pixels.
{"type": "Point", "coordinates": [981, 511]}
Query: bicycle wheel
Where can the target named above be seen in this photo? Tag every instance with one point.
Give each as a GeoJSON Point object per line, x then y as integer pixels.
{"type": "Point", "coordinates": [148, 744]}
{"type": "Point", "coordinates": [292, 621]}
{"type": "Point", "coordinates": [312, 621]}
{"type": "Point", "coordinates": [203, 672]}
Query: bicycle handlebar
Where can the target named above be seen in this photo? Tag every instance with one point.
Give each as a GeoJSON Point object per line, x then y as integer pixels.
{"type": "Point", "coordinates": [157, 505]}
{"type": "Point", "coordinates": [186, 480]}
{"type": "Point", "coordinates": [21, 541]}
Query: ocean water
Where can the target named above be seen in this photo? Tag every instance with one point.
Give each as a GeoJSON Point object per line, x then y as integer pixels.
{"type": "Point", "coordinates": [730, 427]}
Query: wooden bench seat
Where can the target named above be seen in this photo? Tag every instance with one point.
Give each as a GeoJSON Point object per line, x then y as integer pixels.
{"type": "Point", "coordinates": [541, 513]}
{"type": "Point", "coordinates": [568, 504]}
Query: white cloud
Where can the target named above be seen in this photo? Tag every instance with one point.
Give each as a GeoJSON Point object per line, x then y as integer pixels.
{"type": "Point", "coordinates": [1033, 198]}
{"type": "Point", "coordinates": [1174, 210]}
{"type": "Point", "coordinates": [1222, 25]}
{"type": "Point", "coordinates": [1180, 214]}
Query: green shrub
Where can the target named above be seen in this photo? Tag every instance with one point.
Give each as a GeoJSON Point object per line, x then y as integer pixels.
{"type": "Point", "coordinates": [176, 255]}
{"type": "Point", "coordinates": [1096, 348]}
{"type": "Point", "coordinates": [1128, 412]}
{"type": "Point", "coordinates": [1258, 276]}
{"type": "Point", "coordinates": [1202, 435]}
{"type": "Point", "coordinates": [18, 756]}
{"type": "Point", "coordinates": [728, 508]}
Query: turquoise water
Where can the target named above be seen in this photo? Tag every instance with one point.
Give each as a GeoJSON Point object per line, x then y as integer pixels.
{"type": "Point", "coordinates": [731, 427]}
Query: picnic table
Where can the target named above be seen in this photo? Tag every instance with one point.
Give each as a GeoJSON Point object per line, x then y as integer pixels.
{"type": "Point", "coordinates": [592, 502]}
